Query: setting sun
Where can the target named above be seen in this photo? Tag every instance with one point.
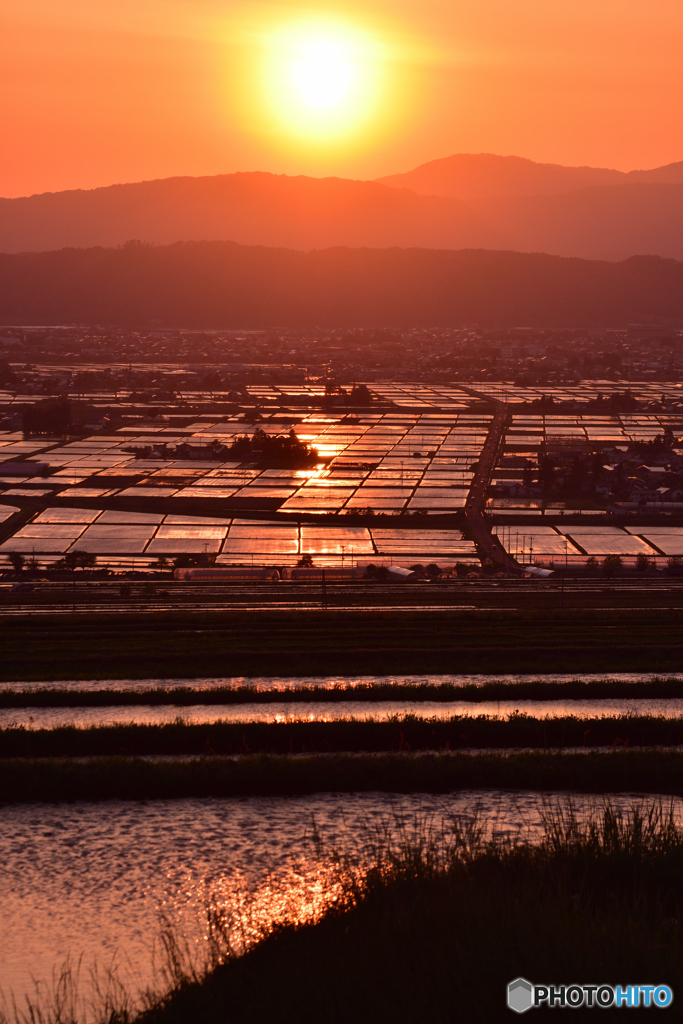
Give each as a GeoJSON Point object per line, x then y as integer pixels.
{"type": "Point", "coordinates": [322, 80]}
{"type": "Point", "coordinates": [323, 75]}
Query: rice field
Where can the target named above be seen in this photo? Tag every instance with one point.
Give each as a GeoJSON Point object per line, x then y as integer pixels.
{"type": "Point", "coordinates": [415, 457]}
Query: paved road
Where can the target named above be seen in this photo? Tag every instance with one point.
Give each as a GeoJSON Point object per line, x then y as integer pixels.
{"type": "Point", "coordinates": [476, 500]}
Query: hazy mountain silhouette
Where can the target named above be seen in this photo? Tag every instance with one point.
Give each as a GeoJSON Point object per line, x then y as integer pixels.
{"type": "Point", "coordinates": [611, 216]}
{"type": "Point", "coordinates": [253, 208]}
{"type": "Point", "coordinates": [222, 284]}
{"type": "Point", "coordinates": [607, 222]}
{"type": "Point", "coordinates": [486, 176]}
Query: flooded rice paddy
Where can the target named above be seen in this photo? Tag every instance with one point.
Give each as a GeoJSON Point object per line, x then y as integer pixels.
{"type": "Point", "coordinates": [286, 710]}
{"type": "Point", "coordinates": [91, 880]}
{"type": "Point", "coordinates": [321, 711]}
{"type": "Point", "coordinates": [329, 682]}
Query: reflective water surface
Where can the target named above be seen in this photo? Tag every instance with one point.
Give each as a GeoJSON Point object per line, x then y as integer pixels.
{"type": "Point", "coordinates": [283, 682]}
{"type": "Point", "coordinates": [321, 711]}
{"type": "Point", "coordinates": [90, 879]}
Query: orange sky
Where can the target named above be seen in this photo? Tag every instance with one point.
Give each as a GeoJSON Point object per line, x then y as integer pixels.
{"type": "Point", "coordinates": [101, 91]}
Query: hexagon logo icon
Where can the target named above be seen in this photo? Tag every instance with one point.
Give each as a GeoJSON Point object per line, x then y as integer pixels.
{"type": "Point", "coordinates": [520, 995]}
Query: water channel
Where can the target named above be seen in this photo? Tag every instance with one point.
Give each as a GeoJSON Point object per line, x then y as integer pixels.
{"type": "Point", "coordinates": [90, 881]}
{"type": "Point", "coordinates": [321, 711]}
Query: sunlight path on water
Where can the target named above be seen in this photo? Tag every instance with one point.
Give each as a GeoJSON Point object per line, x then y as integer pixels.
{"type": "Point", "coordinates": [91, 879]}
{"type": "Point", "coordinates": [322, 711]}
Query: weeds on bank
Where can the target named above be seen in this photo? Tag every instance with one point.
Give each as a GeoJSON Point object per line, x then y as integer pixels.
{"type": "Point", "coordinates": [342, 735]}
{"type": "Point", "coordinates": [592, 886]}
{"type": "Point", "coordinates": [375, 690]}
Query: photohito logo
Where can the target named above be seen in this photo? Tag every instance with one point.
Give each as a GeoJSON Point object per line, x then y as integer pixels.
{"type": "Point", "coordinates": [523, 996]}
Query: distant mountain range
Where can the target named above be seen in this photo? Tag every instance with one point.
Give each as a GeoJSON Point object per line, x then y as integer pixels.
{"type": "Point", "coordinates": [486, 176]}
{"type": "Point", "coordinates": [223, 284]}
{"type": "Point", "coordinates": [464, 201]}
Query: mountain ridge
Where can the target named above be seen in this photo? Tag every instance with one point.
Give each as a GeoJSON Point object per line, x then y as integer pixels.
{"type": "Point", "coordinates": [597, 221]}
{"type": "Point", "coordinates": [488, 175]}
{"type": "Point", "coordinates": [227, 285]}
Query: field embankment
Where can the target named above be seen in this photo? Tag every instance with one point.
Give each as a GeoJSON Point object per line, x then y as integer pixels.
{"type": "Point", "coordinates": [25, 780]}
{"type": "Point", "coordinates": [405, 733]}
{"type": "Point", "coordinates": [248, 693]}
{"type": "Point", "coordinates": [436, 928]}
{"type": "Point", "coordinates": [178, 645]}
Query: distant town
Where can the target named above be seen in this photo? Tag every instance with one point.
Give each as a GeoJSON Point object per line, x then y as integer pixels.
{"type": "Point", "coordinates": [40, 360]}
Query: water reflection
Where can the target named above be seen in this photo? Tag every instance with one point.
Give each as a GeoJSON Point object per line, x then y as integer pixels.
{"type": "Point", "coordinates": [320, 711]}
{"type": "Point", "coordinates": [91, 879]}
{"type": "Point", "coordinates": [285, 682]}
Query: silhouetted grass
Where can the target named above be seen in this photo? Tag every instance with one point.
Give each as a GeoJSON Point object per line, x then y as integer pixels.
{"type": "Point", "coordinates": [430, 922]}
{"type": "Point", "coordinates": [400, 733]}
{"type": "Point", "coordinates": [435, 932]}
{"type": "Point", "coordinates": [434, 926]}
{"type": "Point", "coordinates": [132, 778]}
{"type": "Point", "coordinates": [244, 693]}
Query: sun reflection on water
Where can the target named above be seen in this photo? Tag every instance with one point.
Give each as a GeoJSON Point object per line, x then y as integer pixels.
{"type": "Point", "coordinates": [224, 917]}
{"type": "Point", "coordinates": [212, 877]}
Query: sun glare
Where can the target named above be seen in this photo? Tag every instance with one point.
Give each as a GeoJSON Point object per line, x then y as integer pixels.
{"type": "Point", "coordinates": [322, 80]}
{"type": "Point", "coordinates": [323, 75]}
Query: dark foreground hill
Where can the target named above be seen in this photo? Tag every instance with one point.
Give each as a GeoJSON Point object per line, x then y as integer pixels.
{"type": "Point", "coordinates": [222, 284]}
{"type": "Point", "coordinates": [564, 211]}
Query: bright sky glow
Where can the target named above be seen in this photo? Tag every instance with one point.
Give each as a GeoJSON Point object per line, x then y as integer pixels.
{"type": "Point", "coordinates": [323, 80]}
{"type": "Point", "coordinates": [323, 75]}
{"type": "Point", "coordinates": [130, 90]}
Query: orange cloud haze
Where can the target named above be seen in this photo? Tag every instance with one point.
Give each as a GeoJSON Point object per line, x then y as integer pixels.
{"type": "Point", "coordinates": [124, 90]}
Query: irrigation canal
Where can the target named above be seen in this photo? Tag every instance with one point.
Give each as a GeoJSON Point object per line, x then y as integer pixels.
{"type": "Point", "coordinates": [91, 879]}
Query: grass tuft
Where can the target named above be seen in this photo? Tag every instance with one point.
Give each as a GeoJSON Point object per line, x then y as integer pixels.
{"type": "Point", "coordinates": [436, 918]}
{"type": "Point", "coordinates": [429, 920]}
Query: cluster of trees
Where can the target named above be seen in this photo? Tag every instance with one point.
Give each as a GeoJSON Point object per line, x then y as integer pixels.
{"type": "Point", "coordinates": [72, 560]}
{"type": "Point", "coordinates": [360, 393]}
{"type": "Point", "coordinates": [274, 451]}
{"type": "Point", "coordinates": [570, 480]}
{"type": "Point", "coordinates": [657, 446]}
{"type": "Point", "coordinates": [51, 417]}
{"type": "Point", "coordinates": [76, 560]}
{"type": "Point", "coordinates": [612, 564]}
{"type": "Point", "coordinates": [369, 511]}
{"type": "Point", "coordinates": [618, 401]}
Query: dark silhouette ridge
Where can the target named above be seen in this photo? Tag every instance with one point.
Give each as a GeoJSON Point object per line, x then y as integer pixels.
{"type": "Point", "coordinates": [223, 284]}
{"type": "Point", "coordinates": [487, 176]}
{"type": "Point", "coordinates": [600, 220]}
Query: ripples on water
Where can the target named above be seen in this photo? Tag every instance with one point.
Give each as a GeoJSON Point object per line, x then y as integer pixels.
{"type": "Point", "coordinates": [91, 879]}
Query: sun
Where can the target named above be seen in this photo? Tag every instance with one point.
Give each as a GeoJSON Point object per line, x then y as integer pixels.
{"type": "Point", "coordinates": [323, 73]}
{"type": "Point", "coordinates": [322, 80]}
